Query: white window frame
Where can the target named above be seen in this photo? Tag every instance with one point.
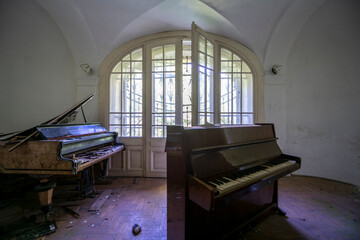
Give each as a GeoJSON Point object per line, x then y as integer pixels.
{"type": "Point", "coordinates": [246, 54]}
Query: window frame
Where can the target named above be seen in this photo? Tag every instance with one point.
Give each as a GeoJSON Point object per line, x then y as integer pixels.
{"type": "Point", "coordinates": [242, 51]}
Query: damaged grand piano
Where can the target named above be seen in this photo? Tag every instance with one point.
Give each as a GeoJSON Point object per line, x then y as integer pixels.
{"type": "Point", "coordinates": [57, 148]}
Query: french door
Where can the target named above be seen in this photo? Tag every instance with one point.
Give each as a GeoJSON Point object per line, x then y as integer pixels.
{"type": "Point", "coordinates": [177, 80]}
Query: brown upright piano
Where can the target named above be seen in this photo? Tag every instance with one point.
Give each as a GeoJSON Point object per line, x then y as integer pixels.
{"type": "Point", "coordinates": [221, 179]}
{"type": "Point", "coordinates": [57, 147]}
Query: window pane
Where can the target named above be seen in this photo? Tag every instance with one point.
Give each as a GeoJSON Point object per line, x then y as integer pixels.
{"type": "Point", "coordinates": [236, 66]}
{"type": "Point", "coordinates": [210, 62]}
{"type": "Point", "coordinates": [201, 44]}
{"type": "Point", "coordinates": [236, 92]}
{"type": "Point", "coordinates": [245, 67]}
{"type": "Point", "coordinates": [125, 66]}
{"type": "Point", "coordinates": [202, 59]}
{"type": "Point", "coordinates": [115, 92]}
{"type": "Point", "coordinates": [170, 119]}
{"type": "Point", "coordinates": [158, 96]}
{"type": "Point", "coordinates": [157, 119]}
{"type": "Point", "coordinates": [170, 92]}
{"type": "Point", "coordinates": [115, 129]}
{"type": "Point", "coordinates": [117, 68]}
{"type": "Point", "coordinates": [136, 55]}
{"type": "Point", "coordinates": [125, 131]}
{"type": "Point", "coordinates": [126, 95]}
{"type": "Point", "coordinates": [247, 118]}
{"type": "Point", "coordinates": [210, 48]}
{"type": "Point", "coordinates": [225, 54]}
{"type": "Point", "coordinates": [170, 65]}
{"type": "Point", "coordinates": [226, 66]}
{"type": "Point", "coordinates": [115, 118]}
{"type": "Point", "coordinates": [236, 119]}
{"type": "Point", "coordinates": [157, 52]}
{"type": "Point", "coordinates": [157, 66]}
{"type": "Point", "coordinates": [136, 66]}
{"type": "Point", "coordinates": [247, 93]}
{"type": "Point", "coordinates": [169, 51]}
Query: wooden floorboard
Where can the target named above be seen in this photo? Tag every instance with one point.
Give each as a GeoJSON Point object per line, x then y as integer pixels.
{"type": "Point", "coordinates": [316, 209]}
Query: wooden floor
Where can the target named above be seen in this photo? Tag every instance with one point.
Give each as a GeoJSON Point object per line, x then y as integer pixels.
{"type": "Point", "coordinates": [316, 209]}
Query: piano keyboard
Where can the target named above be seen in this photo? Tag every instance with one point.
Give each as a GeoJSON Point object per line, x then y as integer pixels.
{"type": "Point", "coordinates": [248, 176]}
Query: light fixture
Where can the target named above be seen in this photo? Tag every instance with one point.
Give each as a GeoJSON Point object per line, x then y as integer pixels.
{"type": "Point", "coordinates": [276, 69]}
{"type": "Point", "coordinates": [86, 68]}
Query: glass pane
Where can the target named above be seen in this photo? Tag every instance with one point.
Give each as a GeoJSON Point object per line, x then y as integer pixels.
{"type": "Point", "coordinates": [236, 119]}
{"type": "Point", "coordinates": [245, 67]}
{"type": "Point", "coordinates": [136, 119]}
{"type": "Point", "coordinates": [202, 59]}
{"type": "Point", "coordinates": [247, 93]}
{"type": "Point", "coordinates": [170, 92]}
{"type": "Point", "coordinates": [169, 51]}
{"type": "Point", "coordinates": [225, 119]}
{"type": "Point", "coordinates": [125, 66]}
{"type": "Point", "coordinates": [170, 65]}
{"type": "Point", "coordinates": [117, 68]}
{"type": "Point", "coordinates": [225, 54]}
{"type": "Point", "coordinates": [201, 118]}
{"type": "Point", "coordinates": [226, 66]}
{"type": "Point", "coordinates": [247, 119]}
{"type": "Point", "coordinates": [158, 92]}
{"type": "Point", "coordinates": [236, 57]}
{"type": "Point", "coordinates": [137, 55]}
{"type": "Point", "coordinates": [137, 131]}
{"type": "Point", "coordinates": [115, 92]}
{"type": "Point", "coordinates": [157, 119]}
{"type": "Point", "coordinates": [157, 66]}
{"type": "Point", "coordinates": [126, 94]}
{"type": "Point", "coordinates": [225, 92]}
{"type": "Point", "coordinates": [157, 131]}
{"type": "Point", "coordinates": [125, 131]}
{"type": "Point", "coordinates": [115, 129]}
{"type": "Point", "coordinates": [170, 119]}
{"type": "Point", "coordinates": [210, 48]}
{"type": "Point", "coordinates": [127, 57]}
{"type": "Point", "coordinates": [202, 89]}
{"type": "Point", "coordinates": [201, 44]}
{"type": "Point", "coordinates": [210, 62]}
{"type": "Point", "coordinates": [236, 92]}
{"type": "Point", "coordinates": [125, 119]}
{"type": "Point", "coordinates": [210, 118]}
{"type": "Point", "coordinates": [236, 66]}
{"type": "Point", "coordinates": [209, 91]}
{"type": "Point", "coordinates": [115, 118]}
{"type": "Point", "coordinates": [157, 52]}
{"type": "Point", "coordinates": [136, 66]}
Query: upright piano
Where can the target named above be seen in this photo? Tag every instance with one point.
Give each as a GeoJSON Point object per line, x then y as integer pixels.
{"type": "Point", "coordinates": [221, 179]}
{"type": "Point", "coordinates": [57, 147]}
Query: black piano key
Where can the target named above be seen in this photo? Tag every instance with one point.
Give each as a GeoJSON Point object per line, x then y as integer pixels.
{"type": "Point", "coordinates": [224, 180]}
{"type": "Point", "coordinates": [211, 184]}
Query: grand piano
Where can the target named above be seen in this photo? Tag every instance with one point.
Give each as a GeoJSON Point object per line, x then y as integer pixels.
{"type": "Point", "coordinates": [57, 147]}
{"type": "Point", "coordinates": [222, 179]}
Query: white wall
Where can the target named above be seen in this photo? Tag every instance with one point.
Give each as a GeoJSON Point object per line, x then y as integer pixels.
{"type": "Point", "coordinates": [36, 67]}
{"type": "Point", "coordinates": [323, 93]}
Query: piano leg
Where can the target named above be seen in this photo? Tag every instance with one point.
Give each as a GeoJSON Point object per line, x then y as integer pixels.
{"type": "Point", "coordinates": [45, 191]}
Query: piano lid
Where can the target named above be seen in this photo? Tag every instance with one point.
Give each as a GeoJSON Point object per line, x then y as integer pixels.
{"type": "Point", "coordinates": [64, 117]}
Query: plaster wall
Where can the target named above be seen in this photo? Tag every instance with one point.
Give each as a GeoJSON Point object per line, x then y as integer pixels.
{"type": "Point", "coordinates": [323, 93]}
{"type": "Point", "coordinates": [36, 66]}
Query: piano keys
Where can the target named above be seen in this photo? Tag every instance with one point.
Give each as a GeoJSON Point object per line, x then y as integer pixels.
{"type": "Point", "coordinates": [221, 179]}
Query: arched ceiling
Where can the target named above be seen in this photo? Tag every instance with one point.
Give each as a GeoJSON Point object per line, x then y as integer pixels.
{"type": "Point", "coordinates": [94, 28]}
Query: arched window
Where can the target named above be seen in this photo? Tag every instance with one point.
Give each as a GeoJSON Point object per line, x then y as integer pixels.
{"type": "Point", "coordinates": [176, 78]}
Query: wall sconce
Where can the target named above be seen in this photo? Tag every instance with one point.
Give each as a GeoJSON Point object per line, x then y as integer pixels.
{"type": "Point", "coordinates": [276, 69]}
{"type": "Point", "coordinates": [86, 68]}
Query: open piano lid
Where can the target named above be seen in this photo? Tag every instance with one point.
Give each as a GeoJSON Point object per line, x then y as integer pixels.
{"type": "Point", "coordinates": [62, 118]}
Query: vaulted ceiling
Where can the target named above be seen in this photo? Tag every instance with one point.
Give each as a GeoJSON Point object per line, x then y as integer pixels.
{"type": "Point", "coordinates": [94, 28]}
